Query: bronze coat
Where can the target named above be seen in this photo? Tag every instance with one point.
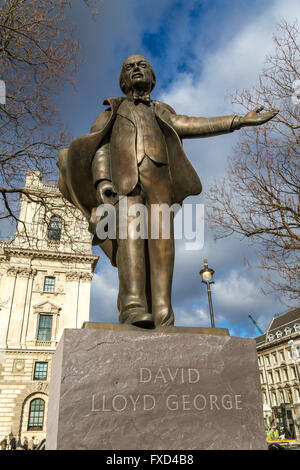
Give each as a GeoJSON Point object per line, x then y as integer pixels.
{"type": "Point", "coordinates": [80, 166]}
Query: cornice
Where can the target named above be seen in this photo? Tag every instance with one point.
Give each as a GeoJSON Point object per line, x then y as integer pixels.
{"type": "Point", "coordinates": [51, 254]}
{"type": "Point", "coordinates": [28, 351]}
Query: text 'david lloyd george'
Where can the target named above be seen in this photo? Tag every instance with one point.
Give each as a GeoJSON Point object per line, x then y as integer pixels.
{"type": "Point", "coordinates": [102, 402]}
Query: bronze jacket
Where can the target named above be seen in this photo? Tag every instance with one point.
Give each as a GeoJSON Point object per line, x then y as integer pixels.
{"type": "Point", "coordinates": [81, 165]}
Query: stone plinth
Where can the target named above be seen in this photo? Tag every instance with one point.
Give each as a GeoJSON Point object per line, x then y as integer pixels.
{"type": "Point", "coordinates": [120, 388]}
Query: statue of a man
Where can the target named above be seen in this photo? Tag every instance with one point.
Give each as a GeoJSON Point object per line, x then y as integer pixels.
{"type": "Point", "coordinates": [134, 149]}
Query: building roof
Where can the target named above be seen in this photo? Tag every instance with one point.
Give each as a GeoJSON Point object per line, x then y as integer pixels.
{"type": "Point", "coordinates": [283, 320]}
{"type": "Point", "coordinates": [260, 339]}
{"type": "Point", "coordinates": [279, 323]}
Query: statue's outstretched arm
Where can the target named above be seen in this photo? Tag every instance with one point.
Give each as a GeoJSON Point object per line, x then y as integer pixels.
{"type": "Point", "coordinates": [192, 127]}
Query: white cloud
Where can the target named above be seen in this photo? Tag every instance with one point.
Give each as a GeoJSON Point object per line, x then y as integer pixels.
{"type": "Point", "coordinates": [226, 291]}
{"type": "Point", "coordinates": [233, 65]}
{"type": "Point", "coordinates": [192, 316]}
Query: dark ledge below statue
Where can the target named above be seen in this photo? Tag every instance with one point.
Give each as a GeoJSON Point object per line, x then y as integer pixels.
{"type": "Point", "coordinates": [163, 329]}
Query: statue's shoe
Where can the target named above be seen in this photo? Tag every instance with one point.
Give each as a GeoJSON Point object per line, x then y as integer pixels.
{"type": "Point", "coordinates": [164, 317]}
{"type": "Point", "coordinates": [137, 317]}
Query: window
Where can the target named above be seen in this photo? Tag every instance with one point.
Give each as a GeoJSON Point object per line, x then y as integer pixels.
{"type": "Point", "coordinates": [278, 376]}
{"type": "Point", "coordinates": [261, 378]}
{"type": "Point", "coordinates": [285, 375]}
{"type": "Point", "coordinates": [271, 337]}
{"type": "Point", "coordinates": [274, 358]}
{"type": "Point", "coordinates": [265, 398]}
{"type": "Point", "coordinates": [288, 330]}
{"type": "Point", "coordinates": [270, 378]}
{"type": "Point", "coordinates": [36, 414]}
{"type": "Point", "coordinates": [274, 399]}
{"type": "Point", "coordinates": [45, 327]}
{"type": "Point", "coordinates": [282, 355]}
{"type": "Point", "coordinates": [278, 334]}
{"type": "Point", "coordinates": [49, 284]}
{"type": "Point", "coordinates": [54, 228]}
{"type": "Point", "coordinates": [267, 360]}
{"type": "Point", "coordinates": [40, 371]}
{"type": "Point", "coordinates": [281, 396]}
{"type": "Point", "coordinates": [297, 327]}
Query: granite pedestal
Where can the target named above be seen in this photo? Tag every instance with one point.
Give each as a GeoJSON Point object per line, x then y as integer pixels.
{"type": "Point", "coordinates": [115, 387]}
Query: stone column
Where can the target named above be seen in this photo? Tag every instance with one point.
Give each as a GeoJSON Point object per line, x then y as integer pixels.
{"type": "Point", "coordinates": [27, 307]}
{"type": "Point", "coordinates": [8, 301]}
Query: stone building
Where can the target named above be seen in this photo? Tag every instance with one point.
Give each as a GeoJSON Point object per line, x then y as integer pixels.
{"type": "Point", "coordinates": [45, 278]}
{"type": "Point", "coordinates": [279, 371]}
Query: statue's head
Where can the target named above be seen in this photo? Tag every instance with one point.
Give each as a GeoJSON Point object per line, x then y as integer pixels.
{"type": "Point", "coordinates": [136, 72]}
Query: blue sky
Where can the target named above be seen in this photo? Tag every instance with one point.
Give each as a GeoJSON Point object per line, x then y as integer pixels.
{"type": "Point", "coordinates": [201, 52]}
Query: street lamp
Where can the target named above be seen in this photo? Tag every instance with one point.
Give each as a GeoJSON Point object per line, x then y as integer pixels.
{"type": "Point", "coordinates": [207, 277]}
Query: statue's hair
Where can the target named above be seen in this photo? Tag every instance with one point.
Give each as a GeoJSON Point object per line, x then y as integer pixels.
{"type": "Point", "coordinates": [122, 82]}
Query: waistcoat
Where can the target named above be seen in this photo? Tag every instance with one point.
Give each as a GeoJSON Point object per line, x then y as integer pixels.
{"type": "Point", "coordinates": [150, 140]}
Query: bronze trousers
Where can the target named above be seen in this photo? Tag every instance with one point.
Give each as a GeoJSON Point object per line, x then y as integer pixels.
{"type": "Point", "coordinates": [145, 266]}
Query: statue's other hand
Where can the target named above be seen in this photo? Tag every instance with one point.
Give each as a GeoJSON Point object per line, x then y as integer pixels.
{"type": "Point", "coordinates": [106, 192]}
{"type": "Point", "coordinates": [255, 118]}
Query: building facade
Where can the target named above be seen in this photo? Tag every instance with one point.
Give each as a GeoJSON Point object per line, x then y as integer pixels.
{"type": "Point", "coordinates": [45, 278]}
{"type": "Point", "coordinates": [279, 371]}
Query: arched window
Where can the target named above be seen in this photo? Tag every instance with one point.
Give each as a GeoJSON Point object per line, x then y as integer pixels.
{"type": "Point", "coordinates": [36, 414]}
{"type": "Point", "coordinates": [54, 228]}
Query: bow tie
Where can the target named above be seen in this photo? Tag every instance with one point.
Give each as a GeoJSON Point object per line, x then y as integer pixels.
{"type": "Point", "coordinates": [143, 98]}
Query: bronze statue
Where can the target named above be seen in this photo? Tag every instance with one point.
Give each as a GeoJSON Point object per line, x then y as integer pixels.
{"type": "Point", "coordinates": [134, 149]}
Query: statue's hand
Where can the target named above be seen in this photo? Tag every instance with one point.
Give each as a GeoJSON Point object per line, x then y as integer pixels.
{"type": "Point", "coordinates": [254, 118]}
{"type": "Point", "coordinates": [106, 192]}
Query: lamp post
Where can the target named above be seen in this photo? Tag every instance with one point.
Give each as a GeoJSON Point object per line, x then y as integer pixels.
{"type": "Point", "coordinates": [207, 277]}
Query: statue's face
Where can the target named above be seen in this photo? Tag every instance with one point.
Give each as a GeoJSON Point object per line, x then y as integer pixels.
{"type": "Point", "coordinates": [137, 72]}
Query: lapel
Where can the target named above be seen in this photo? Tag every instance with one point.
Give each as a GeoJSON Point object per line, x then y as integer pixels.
{"type": "Point", "coordinates": [125, 110]}
{"type": "Point", "coordinates": [114, 103]}
{"type": "Point", "coordinates": [162, 113]}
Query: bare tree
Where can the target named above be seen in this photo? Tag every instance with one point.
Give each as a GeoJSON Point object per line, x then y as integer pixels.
{"type": "Point", "coordinates": [260, 196]}
{"type": "Point", "coordinates": [38, 55]}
